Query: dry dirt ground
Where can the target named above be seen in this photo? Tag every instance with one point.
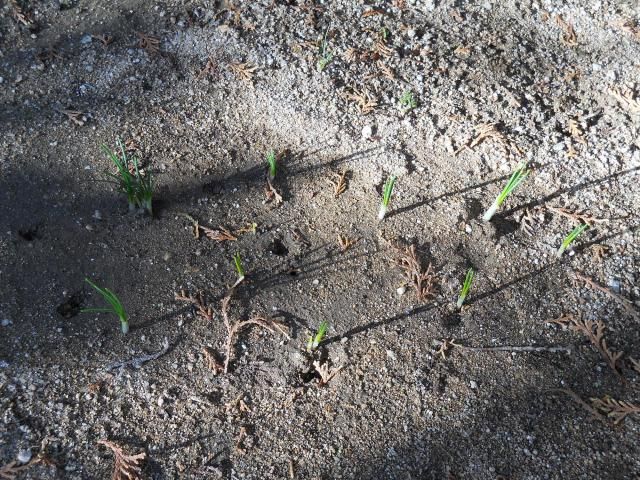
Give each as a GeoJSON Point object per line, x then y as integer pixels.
{"type": "Point", "coordinates": [201, 91]}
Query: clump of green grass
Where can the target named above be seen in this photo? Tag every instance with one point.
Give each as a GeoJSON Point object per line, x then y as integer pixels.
{"type": "Point", "coordinates": [137, 187]}
{"type": "Point", "coordinates": [272, 164]}
{"type": "Point", "coordinates": [115, 306]}
{"type": "Point", "coordinates": [239, 268]}
{"type": "Point", "coordinates": [386, 196]}
{"type": "Point", "coordinates": [315, 340]}
{"type": "Point", "coordinates": [408, 100]}
{"type": "Point", "coordinates": [326, 56]}
{"type": "Point", "coordinates": [569, 239]}
{"type": "Point", "coordinates": [466, 286]}
{"type": "Point", "coordinates": [518, 176]}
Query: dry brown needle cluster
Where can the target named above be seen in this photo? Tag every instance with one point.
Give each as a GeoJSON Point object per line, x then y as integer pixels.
{"type": "Point", "coordinates": [244, 71]}
{"type": "Point", "coordinates": [127, 467]}
{"type": "Point", "coordinates": [422, 281]}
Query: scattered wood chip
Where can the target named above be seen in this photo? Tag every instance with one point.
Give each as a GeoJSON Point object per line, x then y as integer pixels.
{"type": "Point", "coordinates": [244, 71]}
{"type": "Point", "coordinates": [326, 373]}
{"type": "Point", "coordinates": [372, 13]}
{"type": "Point", "coordinates": [219, 235]}
{"type": "Point", "coordinates": [569, 36]}
{"type": "Point", "coordinates": [615, 409]}
{"type": "Point", "coordinates": [127, 467]}
{"type": "Point", "coordinates": [594, 331]}
{"type": "Point", "coordinates": [462, 51]}
{"type": "Point", "coordinates": [149, 43]}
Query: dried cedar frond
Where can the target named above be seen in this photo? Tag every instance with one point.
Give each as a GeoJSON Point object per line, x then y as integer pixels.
{"type": "Point", "coordinates": [127, 467]}
{"type": "Point", "coordinates": [345, 243]}
{"type": "Point", "coordinates": [272, 194]}
{"type": "Point", "coordinates": [198, 300]}
{"type": "Point", "coordinates": [423, 281]}
{"type": "Point", "coordinates": [617, 410]}
{"type": "Point", "coordinates": [340, 183]}
{"type": "Point", "coordinates": [363, 100]}
{"type": "Point", "coordinates": [219, 235]}
{"type": "Point", "coordinates": [594, 331]}
{"type": "Point", "coordinates": [326, 373]}
{"type": "Point", "coordinates": [575, 130]}
{"type": "Point", "coordinates": [244, 71]}
{"type": "Point", "coordinates": [213, 363]}
{"type": "Point", "coordinates": [626, 98]}
{"type": "Point", "coordinates": [75, 116]}
{"type": "Point", "coordinates": [569, 36]}
{"type": "Point", "coordinates": [149, 43]}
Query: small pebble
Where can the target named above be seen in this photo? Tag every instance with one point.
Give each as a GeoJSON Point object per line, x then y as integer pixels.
{"type": "Point", "coordinates": [316, 282]}
{"type": "Point", "coordinates": [24, 456]}
{"type": "Point", "coordinates": [5, 322]}
{"type": "Point", "coordinates": [473, 385]}
{"type": "Point", "coordinates": [367, 132]}
{"type": "Point", "coordinates": [167, 256]}
{"type": "Point", "coordinates": [97, 215]}
{"type": "Point", "coordinates": [401, 290]}
{"type": "Point", "coordinates": [85, 39]}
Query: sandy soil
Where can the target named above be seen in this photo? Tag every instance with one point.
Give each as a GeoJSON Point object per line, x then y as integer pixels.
{"type": "Point", "coordinates": [450, 97]}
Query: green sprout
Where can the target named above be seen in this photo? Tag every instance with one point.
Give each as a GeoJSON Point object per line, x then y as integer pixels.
{"type": "Point", "coordinates": [569, 239]}
{"type": "Point", "coordinates": [273, 166]}
{"type": "Point", "coordinates": [116, 306]}
{"type": "Point", "coordinates": [518, 176]}
{"type": "Point", "coordinates": [315, 340]}
{"type": "Point", "coordinates": [137, 187]}
{"type": "Point", "coordinates": [408, 100]}
{"type": "Point", "coordinates": [386, 196]}
{"type": "Point", "coordinates": [326, 56]}
{"type": "Point", "coordinates": [239, 268]}
{"type": "Point", "coordinates": [466, 286]}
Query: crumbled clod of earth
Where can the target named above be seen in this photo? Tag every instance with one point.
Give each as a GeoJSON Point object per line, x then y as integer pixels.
{"type": "Point", "coordinates": [450, 97]}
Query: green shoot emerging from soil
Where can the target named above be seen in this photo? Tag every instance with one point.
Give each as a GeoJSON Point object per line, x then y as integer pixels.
{"type": "Point", "coordinates": [316, 340]}
{"type": "Point", "coordinates": [271, 162]}
{"type": "Point", "coordinates": [137, 187]}
{"type": "Point", "coordinates": [408, 100]}
{"type": "Point", "coordinates": [116, 306]}
{"type": "Point", "coordinates": [569, 239]}
{"type": "Point", "coordinates": [326, 56]}
{"type": "Point", "coordinates": [239, 268]}
{"type": "Point", "coordinates": [518, 176]}
{"type": "Point", "coordinates": [386, 196]}
{"type": "Point", "coordinates": [466, 286]}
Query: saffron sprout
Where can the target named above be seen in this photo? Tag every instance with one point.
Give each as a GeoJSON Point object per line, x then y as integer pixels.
{"type": "Point", "coordinates": [115, 307]}
{"type": "Point", "coordinates": [466, 286]}
{"type": "Point", "coordinates": [386, 196]}
{"type": "Point", "coordinates": [326, 56]}
{"type": "Point", "coordinates": [315, 340]}
{"type": "Point", "coordinates": [239, 268]}
{"type": "Point", "coordinates": [569, 239]}
{"type": "Point", "coordinates": [518, 176]}
{"type": "Point", "coordinates": [137, 187]}
{"type": "Point", "coordinates": [272, 164]}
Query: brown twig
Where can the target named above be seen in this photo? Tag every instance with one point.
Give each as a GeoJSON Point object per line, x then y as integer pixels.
{"type": "Point", "coordinates": [446, 345]}
{"type": "Point", "coordinates": [624, 302]}
{"type": "Point", "coordinates": [594, 331]}
{"type": "Point", "coordinates": [346, 243]}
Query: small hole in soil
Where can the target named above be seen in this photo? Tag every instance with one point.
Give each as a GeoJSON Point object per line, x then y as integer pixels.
{"type": "Point", "coordinates": [278, 248]}
{"type": "Point", "coordinates": [452, 320]}
{"type": "Point", "coordinates": [293, 271]}
{"type": "Point", "coordinates": [309, 375]}
{"type": "Point", "coordinates": [505, 226]}
{"type": "Point", "coordinates": [29, 234]}
{"type": "Point", "coordinates": [71, 306]}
